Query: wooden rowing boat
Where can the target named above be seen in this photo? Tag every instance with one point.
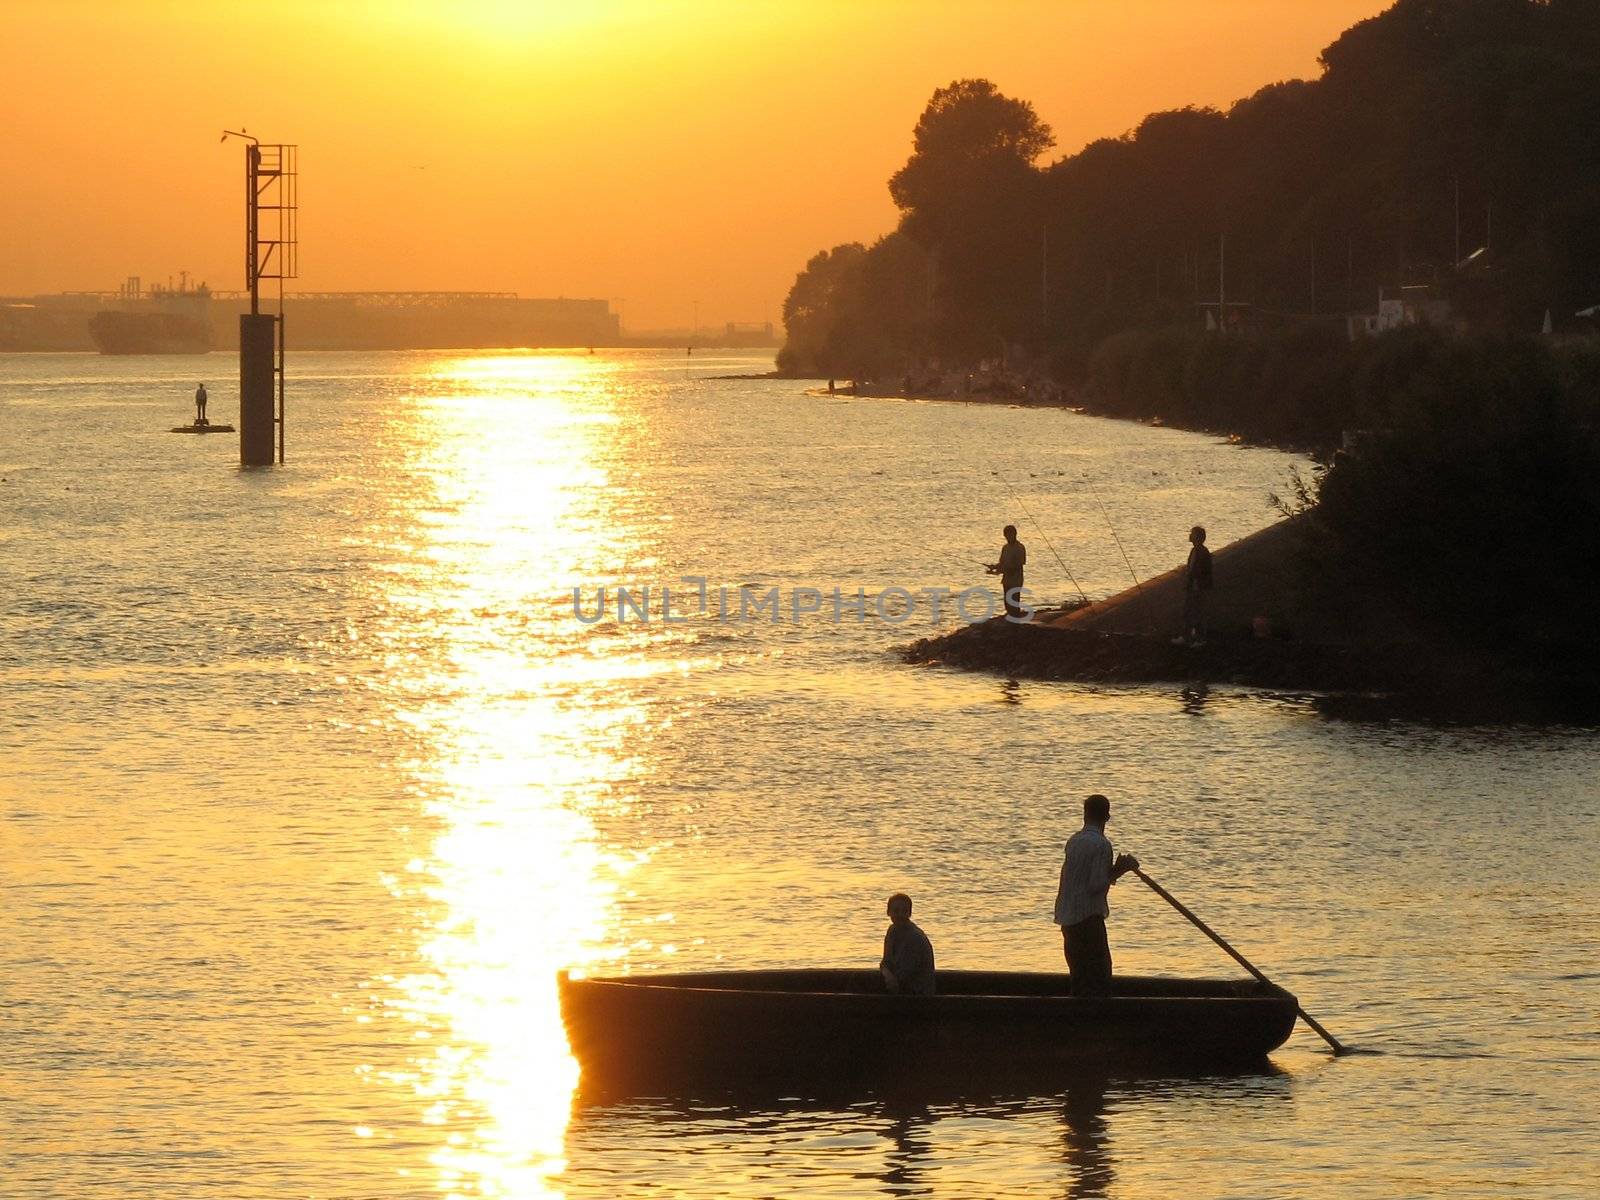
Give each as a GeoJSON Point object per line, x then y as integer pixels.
{"type": "Point", "coordinates": [784, 1023]}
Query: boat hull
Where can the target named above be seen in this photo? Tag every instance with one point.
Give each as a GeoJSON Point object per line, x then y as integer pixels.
{"type": "Point", "coordinates": [784, 1024]}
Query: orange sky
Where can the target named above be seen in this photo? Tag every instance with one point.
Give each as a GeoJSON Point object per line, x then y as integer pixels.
{"type": "Point", "coordinates": [656, 151]}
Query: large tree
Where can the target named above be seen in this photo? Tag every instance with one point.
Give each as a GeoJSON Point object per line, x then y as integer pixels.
{"type": "Point", "coordinates": [1321, 192]}
{"type": "Point", "coordinates": [969, 138]}
{"type": "Point", "coordinates": [970, 193]}
{"type": "Point", "coordinates": [815, 304]}
{"type": "Point", "coordinates": [857, 312]}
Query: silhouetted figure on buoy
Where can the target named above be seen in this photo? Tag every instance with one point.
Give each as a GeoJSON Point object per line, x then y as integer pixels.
{"type": "Point", "coordinates": [1196, 588]}
{"type": "Point", "coordinates": [200, 405]}
{"type": "Point", "coordinates": [1087, 873]}
{"type": "Point", "coordinates": [907, 964]}
{"type": "Point", "coordinates": [1013, 557]}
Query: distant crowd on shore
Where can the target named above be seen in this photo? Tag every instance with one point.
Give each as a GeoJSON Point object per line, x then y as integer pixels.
{"type": "Point", "coordinates": [987, 382]}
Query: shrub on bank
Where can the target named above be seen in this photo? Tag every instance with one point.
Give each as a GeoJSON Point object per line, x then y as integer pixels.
{"type": "Point", "coordinates": [1470, 497]}
{"type": "Point", "coordinates": [1475, 505]}
{"type": "Point", "coordinates": [1306, 386]}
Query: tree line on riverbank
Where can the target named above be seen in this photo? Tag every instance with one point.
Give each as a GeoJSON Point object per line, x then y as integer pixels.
{"type": "Point", "coordinates": [1465, 497]}
{"type": "Point", "coordinates": [1469, 494]}
{"type": "Point", "coordinates": [1309, 388]}
{"type": "Point", "coordinates": [1471, 501]}
{"type": "Point", "coordinates": [1437, 128]}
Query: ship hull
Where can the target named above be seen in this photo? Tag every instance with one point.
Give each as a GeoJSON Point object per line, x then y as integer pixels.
{"type": "Point", "coordinates": [149, 333]}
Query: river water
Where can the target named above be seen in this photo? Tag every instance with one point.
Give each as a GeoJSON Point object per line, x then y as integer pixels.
{"type": "Point", "coordinates": [310, 780]}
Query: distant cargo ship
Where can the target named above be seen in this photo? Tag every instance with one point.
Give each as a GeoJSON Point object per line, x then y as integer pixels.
{"type": "Point", "coordinates": [149, 333]}
{"type": "Point", "coordinates": [180, 319]}
{"type": "Point", "coordinates": [160, 320]}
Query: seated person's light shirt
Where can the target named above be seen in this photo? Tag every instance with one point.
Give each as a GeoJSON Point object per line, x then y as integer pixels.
{"type": "Point", "coordinates": [908, 954]}
{"type": "Point", "coordinates": [1085, 877]}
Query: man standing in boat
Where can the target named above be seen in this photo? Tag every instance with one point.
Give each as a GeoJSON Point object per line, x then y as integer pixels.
{"type": "Point", "coordinates": [1087, 873]}
{"type": "Point", "coordinates": [1013, 557]}
{"type": "Point", "coordinates": [200, 405]}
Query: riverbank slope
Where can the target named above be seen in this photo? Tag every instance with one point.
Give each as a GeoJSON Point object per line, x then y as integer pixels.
{"type": "Point", "coordinates": [1266, 630]}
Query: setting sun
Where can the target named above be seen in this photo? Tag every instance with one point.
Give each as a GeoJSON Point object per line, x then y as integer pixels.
{"type": "Point", "coordinates": [651, 153]}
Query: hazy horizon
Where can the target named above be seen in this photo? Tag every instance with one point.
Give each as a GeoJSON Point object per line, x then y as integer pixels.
{"type": "Point", "coordinates": [681, 160]}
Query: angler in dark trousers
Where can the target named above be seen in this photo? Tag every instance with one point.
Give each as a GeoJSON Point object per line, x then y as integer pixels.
{"type": "Point", "coordinates": [1088, 870]}
{"type": "Point", "coordinates": [1196, 588]}
{"type": "Point", "coordinates": [1013, 557]}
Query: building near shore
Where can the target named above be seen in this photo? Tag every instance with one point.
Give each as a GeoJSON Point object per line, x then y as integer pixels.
{"type": "Point", "coordinates": [1414, 304]}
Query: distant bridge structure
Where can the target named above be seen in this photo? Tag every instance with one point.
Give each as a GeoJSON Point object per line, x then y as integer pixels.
{"type": "Point", "coordinates": [386, 299]}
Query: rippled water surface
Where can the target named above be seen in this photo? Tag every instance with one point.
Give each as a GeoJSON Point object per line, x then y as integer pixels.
{"type": "Point", "coordinates": [310, 781]}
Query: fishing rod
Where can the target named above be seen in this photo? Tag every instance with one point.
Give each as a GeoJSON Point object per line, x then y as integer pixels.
{"type": "Point", "coordinates": [1096, 493]}
{"type": "Point", "coordinates": [951, 556]}
{"type": "Point", "coordinates": [946, 554]}
{"type": "Point", "coordinates": [1083, 595]}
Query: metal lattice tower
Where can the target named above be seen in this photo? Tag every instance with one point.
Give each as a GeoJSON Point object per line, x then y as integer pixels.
{"type": "Point", "coordinates": [272, 243]}
{"type": "Point", "coordinates": [271, 251]}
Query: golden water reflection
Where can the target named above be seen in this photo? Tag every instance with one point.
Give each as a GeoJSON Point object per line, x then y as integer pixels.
{"type": "Point", "coordinates": [518, 738]}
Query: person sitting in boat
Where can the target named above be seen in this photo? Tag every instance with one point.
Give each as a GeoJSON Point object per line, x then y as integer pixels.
{"type": "Point", "coordinates": [907, 964]}
{"type": "Point", "coordinates": [1087, 873]}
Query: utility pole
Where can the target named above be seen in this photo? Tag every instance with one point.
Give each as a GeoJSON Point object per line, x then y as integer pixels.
{"type": "Point", "coordinates": [1313, 277]}
{"type": "Point", "coordinates": [1222, 282]}
{"type": "Point", "coordinates": [1457, 258]}
{"type": "Point", "coordinates": [1044, 276]}
{"type": "Point", "coordinates": [1349, 268]}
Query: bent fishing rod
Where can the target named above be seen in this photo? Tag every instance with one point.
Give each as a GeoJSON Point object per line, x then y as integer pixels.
{"type": "Point", "coordinates": [947, 555]}
{"type": "Point", "coordinates": [1028, 513]}
{"type": "Point", "coordinates": [1096, 493]}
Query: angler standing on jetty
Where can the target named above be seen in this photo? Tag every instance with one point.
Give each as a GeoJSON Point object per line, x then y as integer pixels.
{"type": "Point", "coordinates": [1013, 557]}
{"type": "Point", "coordinates": [1196, 588]}
{"type": "Point", "coordinates": [1087, 873]}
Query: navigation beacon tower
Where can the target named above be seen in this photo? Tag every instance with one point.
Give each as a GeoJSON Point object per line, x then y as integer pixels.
{"type": "Point", "coordinates": [271, 251]}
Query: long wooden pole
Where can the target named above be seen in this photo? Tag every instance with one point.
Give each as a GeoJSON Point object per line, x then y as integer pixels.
{"type": "Point", "coordinates": [1237, 957]}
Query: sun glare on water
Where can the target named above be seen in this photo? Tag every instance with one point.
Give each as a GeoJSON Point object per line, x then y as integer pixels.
{"type": "Point", "coordinates": [510, 759]}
